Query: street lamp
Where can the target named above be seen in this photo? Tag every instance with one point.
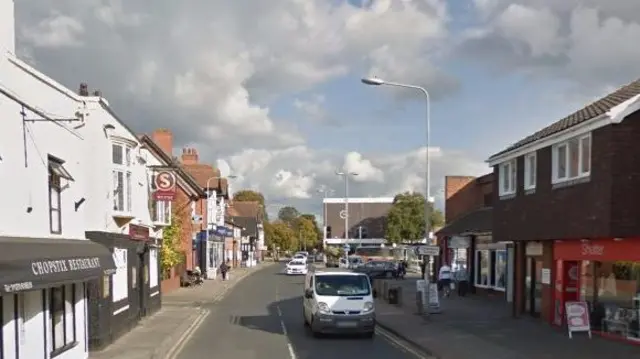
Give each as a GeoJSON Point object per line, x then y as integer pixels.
{"type": "Point", "coordinates": [374, 81]}
{"type": "Point", "coordinates": [211, 264]}
{"type": "Point", "coordinates": [325, 193]}
{"type": "Point", "coordinates": [346, 176]}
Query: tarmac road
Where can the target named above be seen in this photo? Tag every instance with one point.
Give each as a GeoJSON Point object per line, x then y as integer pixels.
{"type": "Point", "coordinates": [262, 318]}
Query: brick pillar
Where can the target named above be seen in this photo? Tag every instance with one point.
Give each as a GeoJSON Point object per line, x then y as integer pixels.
{"type": "Point", "coordinates": [519, 278]}
{"type": "Point", "coordinates": [548, 289]}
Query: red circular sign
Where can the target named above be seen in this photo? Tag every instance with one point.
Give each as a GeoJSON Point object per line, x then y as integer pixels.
{"type": "Point", "coordinates": [165, 181]}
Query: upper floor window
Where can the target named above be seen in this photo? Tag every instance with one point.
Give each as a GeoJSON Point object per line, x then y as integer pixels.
{"type": "Point", "coordinates": [160, 210]}
{"type": "Point", "coordinates": [507, 176]}
{"type": "Point", "coordinates": [57, 173]}
{"type": "Point", "coordinates": [572, 159]}
{"type": "Point", "coordinates": [121, 169]}
{"type": "Point", "coordinates": [530, 162]}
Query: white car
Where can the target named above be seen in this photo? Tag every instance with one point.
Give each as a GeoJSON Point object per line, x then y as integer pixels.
{"type": "Point", "coordinates": [296, 267]}
{"type": "Point", "coordinates": [300, 258]}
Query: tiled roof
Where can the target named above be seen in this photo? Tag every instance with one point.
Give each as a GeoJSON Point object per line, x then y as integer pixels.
{"type": "Point", "coordinates": [246, 209]}
{"type": "Point", "coordinates": [589, 112]}
{"type": "Point", "coordinates": [478, 221]}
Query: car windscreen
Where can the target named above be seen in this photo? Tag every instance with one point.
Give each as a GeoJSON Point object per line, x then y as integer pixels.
{"type": "Point", "coordinates": [296, 263]}
{"type": "Point", "coordinates": [342, 285]}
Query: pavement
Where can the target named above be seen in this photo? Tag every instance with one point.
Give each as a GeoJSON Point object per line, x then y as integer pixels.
{"type": "Point", "coordinates": [163, 334]}
{"type": "Point", "coordinates": [483, 328]}
{"type": "Point", "coordinates": [262, 318]}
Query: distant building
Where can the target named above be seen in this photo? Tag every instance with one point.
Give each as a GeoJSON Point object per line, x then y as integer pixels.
{"type": "Point", "coordinates": [366, 220]}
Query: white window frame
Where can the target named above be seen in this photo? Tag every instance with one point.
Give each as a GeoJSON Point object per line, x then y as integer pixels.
{"type": "Point", "coordinates": [530, 169]}
{"type": "Point", "coordinates": [68, 314]}
{"type": "Point", "coordinates": [125, 170]}
{"type": "Point", "coordinates": [511, 165]}
{"type": "Point", "coordinates": [557, 161]}
{"type": "Point", "coordinates": [495, 269]}
{"type": "Point", "coordinates": [163, 212]}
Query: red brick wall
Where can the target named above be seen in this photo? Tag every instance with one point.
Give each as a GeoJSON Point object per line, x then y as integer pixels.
{"type": "Point", "coordinates": [460, 195]}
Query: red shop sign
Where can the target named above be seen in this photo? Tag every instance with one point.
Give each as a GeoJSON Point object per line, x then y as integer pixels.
{"type": "Point", "coordinates": [627, 249]}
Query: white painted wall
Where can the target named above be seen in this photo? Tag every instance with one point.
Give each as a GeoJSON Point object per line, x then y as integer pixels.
{"type": "Point", "coordinates": [27, 187]}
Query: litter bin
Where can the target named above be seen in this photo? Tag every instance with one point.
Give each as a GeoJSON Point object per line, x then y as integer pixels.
{"type": "Point", "coordinates": [393, 296]}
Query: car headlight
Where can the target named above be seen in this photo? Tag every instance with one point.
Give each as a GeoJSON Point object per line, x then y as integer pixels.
{"type": "Point", "coordinates": [368, 307]}
{"type": "Point", "coordinates": [323, 308]}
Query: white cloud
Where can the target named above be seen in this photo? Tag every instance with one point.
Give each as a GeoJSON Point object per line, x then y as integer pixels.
{"type": "Point", "coordinates": [55, 31]}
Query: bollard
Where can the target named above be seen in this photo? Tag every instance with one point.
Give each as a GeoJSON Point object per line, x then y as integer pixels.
{"type": "Point", "coordinates": [400, 296]}
{"type": "Point", "coordinates": [385, 290]}
{"type": "Point", "coordinates": [393, 295]}
{"type": "Point", "coordinates": [419, 302]}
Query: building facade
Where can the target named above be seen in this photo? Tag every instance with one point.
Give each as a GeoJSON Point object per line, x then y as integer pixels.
{"type": "Point", "coordinates": [46, 262]}
{"type": "Point", "coordinates": [366, 222]}
{"type": "Point", "coordinates": [566, 196]}
{"type": "Point", "coordinates": [466, 240]}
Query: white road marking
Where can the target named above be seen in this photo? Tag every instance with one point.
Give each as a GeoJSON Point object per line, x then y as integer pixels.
{"type": "Point", "coordinates": [292, 352]}
{"type": "Point", "coordinates": [400, 343]}
{"type": "Point", "coordinates": [184, 338]}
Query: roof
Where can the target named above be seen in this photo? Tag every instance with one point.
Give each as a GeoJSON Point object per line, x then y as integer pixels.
{"type": "Point", "coordinates": [249, 225]}
{"type": "Point", "coordinates": [478, 221]}
{"type": "Point", "coordinates": [246, 209]}
{"type": "Point", "coordinates": [190, 181]}
{"type": "Point", "coordinates": [591, 111]}
{"type": "Point", "coordinates": [208, 177]}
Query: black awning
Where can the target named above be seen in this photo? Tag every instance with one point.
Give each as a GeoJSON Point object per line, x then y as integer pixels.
{"type": "Point", "coordinates": [34, 263]}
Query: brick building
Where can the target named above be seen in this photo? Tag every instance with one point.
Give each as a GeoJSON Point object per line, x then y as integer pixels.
{"type": "Point", "coordinates": [466, 239]}
{"type": "Point", "coordinates": [566, 195]}
{"type": "Point", "coordinates": [188, 192]}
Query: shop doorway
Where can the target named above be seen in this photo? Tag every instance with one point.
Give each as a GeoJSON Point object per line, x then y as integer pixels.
{"type": "Point", "coordinates": [533, 286]}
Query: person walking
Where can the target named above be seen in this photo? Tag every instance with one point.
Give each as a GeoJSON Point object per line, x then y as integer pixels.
{"type": "Point", "coordinates": [224, 269]}
{"type": "Point", "coordinates": [444, 279]}
{"type": "Point", "coordinates": [462, 278]}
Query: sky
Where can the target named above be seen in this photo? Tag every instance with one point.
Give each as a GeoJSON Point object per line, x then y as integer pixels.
{"type": "Point", "coordinates": [270, 91]}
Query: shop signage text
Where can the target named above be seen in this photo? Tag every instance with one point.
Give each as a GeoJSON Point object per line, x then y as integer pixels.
{"type": "Point", "coordinates": [592, 250]}
{"type": "Point", "coordinates": [138, 233]}
{"type": "Point", "coordinates": [64, 265]}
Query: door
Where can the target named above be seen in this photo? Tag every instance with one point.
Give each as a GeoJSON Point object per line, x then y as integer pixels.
{"type": "Point", "coordinates": [307, 303]}
{"type": "Point", "coordinates": [566, 288]}
{"type": "Point", "coordinates": [533, 286]}
{"type": "Point", "coordinates": [143, 286]}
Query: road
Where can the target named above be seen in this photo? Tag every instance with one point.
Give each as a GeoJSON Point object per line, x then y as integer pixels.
{"type": "Point", "coordinates": [262, 318]}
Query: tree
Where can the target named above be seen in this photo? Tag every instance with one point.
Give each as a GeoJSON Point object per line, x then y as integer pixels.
{"type": "Point", "coordinates": [307, 233]}
{"type": "Point", "coordinates": [282, 235]}
{"type": "Point", "coordinates": [171, 253]}
{"type": "Point", "coordinates": [319, 233]}
{"type": "Point", "coordinates": [406, 219]}
{"type": "Point", "coordinates": [288, 214]}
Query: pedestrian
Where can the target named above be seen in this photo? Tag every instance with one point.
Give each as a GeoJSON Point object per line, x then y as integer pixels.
{"type": "Point", "coordinates": [224, 268]}
{"type": "Point", "coordinates": [444, 279]}
{"type": "Point", "coordinates": [462, 277]}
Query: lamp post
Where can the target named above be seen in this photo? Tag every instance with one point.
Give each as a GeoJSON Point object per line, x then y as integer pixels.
{"type": "Point", "coordinates": [325, 193]}
{"type": "Point", "coordinates": [346, 175]}
{"type": "Point", "coordinates": [374, 81]}
{"type": "Point", "coordinates": [211, 263]}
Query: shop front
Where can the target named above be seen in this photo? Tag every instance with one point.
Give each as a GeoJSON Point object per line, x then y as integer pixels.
{"type": "Point", "coordinates": [493, 266]}
{"type": "Point", "coordinates": [605, 273]}
{"type": "Point", "coordinates": [43, 298]}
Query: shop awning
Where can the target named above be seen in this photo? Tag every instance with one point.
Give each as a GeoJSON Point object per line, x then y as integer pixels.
{"type": "Point", "coordinates": [478, 221]}
{"type": "Point", "coordinates": [34, 263]}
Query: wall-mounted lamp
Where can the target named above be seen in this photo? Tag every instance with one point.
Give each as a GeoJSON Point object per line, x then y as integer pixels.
{"type": "Point", "coordinates": [79, 203]}
{"type": "Point", "coordinates": [108, 127]}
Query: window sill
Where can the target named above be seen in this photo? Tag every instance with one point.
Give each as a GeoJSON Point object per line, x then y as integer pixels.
{"type": "Point", "coordinates": [161, 224]}
{"type": "Point", "coordinates": [570, 182]}
{"type": "Point", "coordinates": [508, 195]}
{"type": "Point", "coordinates": [529, 191]}
{"type": "Point", "coordinates": [122, 214]}
{"type": "Point", "coordinates": [64, 349]}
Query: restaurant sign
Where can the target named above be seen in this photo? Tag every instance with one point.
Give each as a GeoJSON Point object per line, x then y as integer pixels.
{"type": "Point", "coordinates": [165, 185]}
{"type": "Point", "coordinates": [59, 268]}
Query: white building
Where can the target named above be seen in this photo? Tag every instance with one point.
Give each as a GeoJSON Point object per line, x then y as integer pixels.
{"type": "Point", "coordinates": [45, 263]}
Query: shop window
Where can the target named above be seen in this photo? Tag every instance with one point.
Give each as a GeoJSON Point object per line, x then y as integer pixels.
{"type": "Point", "coordinates": [613, 291]}
{"type": "Point", "coordinates": [482, 268]}
{"type": "Point", "coordinates": [500, 269]}
{"type": "Point", "coordinates": [62, 303]}
{"type": "Point", "coordinates": [492, 268]}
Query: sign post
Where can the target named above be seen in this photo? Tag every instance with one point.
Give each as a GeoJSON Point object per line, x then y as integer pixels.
{"type": "Point", "coordinates": [165, 182]}
{"type": "Point", "coordinates": [430, 300]}
{"type": "Point", "coordinates": [577, 318]}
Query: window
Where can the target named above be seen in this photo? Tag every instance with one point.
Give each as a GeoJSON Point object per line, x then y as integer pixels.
{"type": "Point", "coordinates": [121, 159]}
{"type": "Point", "coordinates": [530, 171]}
{"type": "Point", "coordinates": [62, 303]}
{"type": "Point", "coordinates": [491, 269]}
{"type": "Point", "coordinates": [572, 159]}
{"type": "Point", "coordinates": [482, 268]}
{"type": "Point", "coordinates": [508, 178]}
{"type": "Point", "coordinates": [161, 212]}
{"type": "Point", "coordinates": [57, 173]}
{"type": "Point", "coordinates": [500, 269]}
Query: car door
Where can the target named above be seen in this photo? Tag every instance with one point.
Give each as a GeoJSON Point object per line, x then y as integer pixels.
{"type": "Point", "coordinates": [308, 302]}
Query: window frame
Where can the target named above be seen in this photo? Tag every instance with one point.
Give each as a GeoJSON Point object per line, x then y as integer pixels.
{"type": "Point", "coordinates": [512, 177]}
{"type": "Point", "coordinates": [123, 168]}
{"type": "Point", "coordinates": [55, 188]}
{"type": "Point", "coordinates": [70, 338]}
{"type": "Point", "coordinates": [530, 168]}
{"type": "Point", "coordinates": [477, 275]}
{"type": "Point", "coordinates": [495, 269]}
{"type": "Point", "coordinates": [556, 161]}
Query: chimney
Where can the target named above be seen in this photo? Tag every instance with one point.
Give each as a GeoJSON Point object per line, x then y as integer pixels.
{"type": "Point", "coordinates": [97, 93]}
{"type": "Point", "coordinates": [7, 26]}
{"type": "Point", "coordinates": [164, 139]}
{"type": "Point", "coordinates": [189, 156]}
{"type": "Point", "coordinates": [84, 88]}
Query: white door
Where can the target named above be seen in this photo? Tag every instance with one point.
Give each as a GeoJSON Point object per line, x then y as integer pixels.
{"type": "Point", "coordinates": [30, 320]}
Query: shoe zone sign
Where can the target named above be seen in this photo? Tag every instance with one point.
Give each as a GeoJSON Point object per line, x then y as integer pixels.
{"type": "Point", "coordinates": [222, 231]}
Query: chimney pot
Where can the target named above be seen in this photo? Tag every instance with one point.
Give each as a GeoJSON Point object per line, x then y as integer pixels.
{"type": "Point", "coordinates": [84, 89]}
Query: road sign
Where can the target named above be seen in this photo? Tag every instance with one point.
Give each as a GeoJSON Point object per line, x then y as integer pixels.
{"type": "Point", "coordinates": [165, 183]}
{"type": "Point", "coordinates": [343, 214]}
{"type": "Point", "coordinates": [432, 251]}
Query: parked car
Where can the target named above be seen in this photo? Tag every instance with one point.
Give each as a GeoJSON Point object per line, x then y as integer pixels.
{"type": "Point", "coordinates": [296, 267]}
{"type": "Point", "coordinates": [355, 262]}
{"type": "Point", "coordinates": [378, 269]}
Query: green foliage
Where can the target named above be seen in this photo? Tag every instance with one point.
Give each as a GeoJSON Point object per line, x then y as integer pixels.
{"type": "Point", "coordinates": [307, 232]}
{"type": "Point", "coordinates": [288, 214]}
{"type": "Point", "coordinates": [171, 253]}
{"type": "Point", "coordinates": [313, 219]}
{"type": "Point", "coordinates": [406, 219]}
{"type": "Point", "coordinates": [280, 234]}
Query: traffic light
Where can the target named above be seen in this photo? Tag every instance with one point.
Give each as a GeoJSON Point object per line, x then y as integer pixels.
{"type": "Point", "coordinates": [328, 231]}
